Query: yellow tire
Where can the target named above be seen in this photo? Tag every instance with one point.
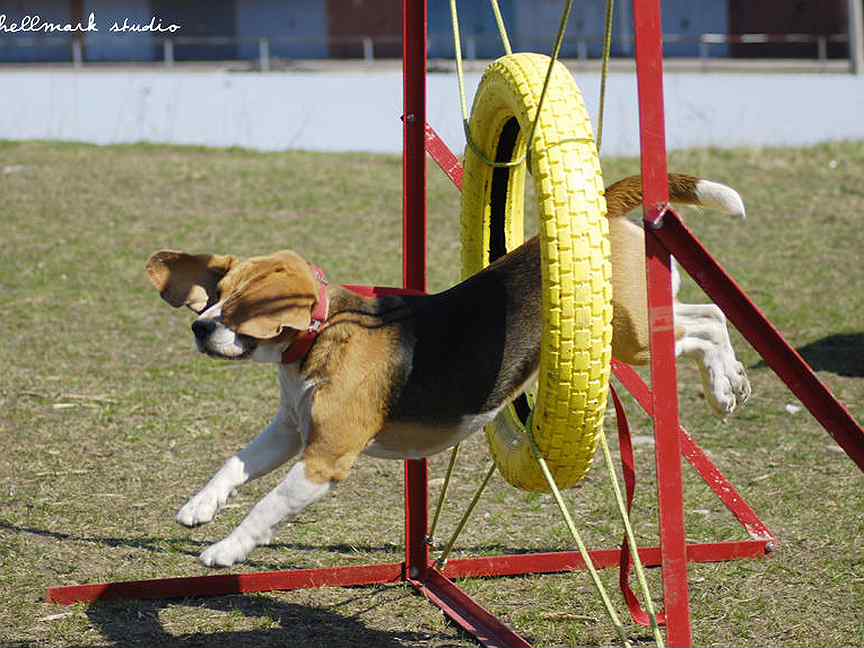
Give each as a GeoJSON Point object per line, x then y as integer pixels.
{"type": "Point", "coordinates": [577, 276]}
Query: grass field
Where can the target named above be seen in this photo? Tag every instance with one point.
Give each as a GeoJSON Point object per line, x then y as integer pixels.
{"type": "Point", "coordinates": [109, 420]}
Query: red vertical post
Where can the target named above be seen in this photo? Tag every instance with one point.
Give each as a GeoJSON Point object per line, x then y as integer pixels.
{"type": "Point", "coordinates": [414, 18]}
{"type": "Point", "coordinates": [664, 383]}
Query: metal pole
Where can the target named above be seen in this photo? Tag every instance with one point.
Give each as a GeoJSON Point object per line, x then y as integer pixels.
{"type": "Point", "coordinates": [168, 52]}
{"type": "Point", "coordinates": [264, 54]}
{"type": "Point", "coordinates": [77, 53]}
{"type": "Point", "coordinates": [856, 36]}
{"type": "Point", "coordinates": [664, 381]}
{"type": "Point", "coordinates": [582, 50]}
{"type": "Point", "coordinates": [368, 50]}
{"type": "Point", "coordinates": [822, 48]}
{"type": "Point", "coordinates": [471, 48]}
{"type": "Point", "coordinates": [414, 21]}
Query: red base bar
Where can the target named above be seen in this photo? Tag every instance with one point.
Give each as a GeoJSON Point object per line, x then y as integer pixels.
{"type": "Point", "coordinates": [564, 561]}
{"type": "Point", "coordinates": [224, 584]}
{"type": "Point", "coordinates": [512, 565]}
{"type": "Point", "coordinates": [467, 613]}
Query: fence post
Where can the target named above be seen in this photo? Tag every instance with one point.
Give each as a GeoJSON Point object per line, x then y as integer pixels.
{"type": "Point", "coordinates": [822, 48]}
{"type": "Point", "coordinates": [77, 53]}
{"type": "Point", "coordinates": [703, 51]}
{"type": "Point", "coordinates": [856, 37]}
{"type": "Point", "coordinates": [264, 54]}
{"type": "Point", "coordinates": [168, 52]}
{"type": "Point", "coordinates": [582, 50]}
{"type": "Point", "coordinates": [368, 49]}
{"type": "Point", "coordinates": [471, 48]}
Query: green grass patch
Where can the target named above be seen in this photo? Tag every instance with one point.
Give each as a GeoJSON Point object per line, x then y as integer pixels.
{"type": "Point", "coordinates": [110, 421]}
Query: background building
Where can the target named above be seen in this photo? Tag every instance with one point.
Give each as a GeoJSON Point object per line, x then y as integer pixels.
{"type": "Point", "coordinates": [314, 29]}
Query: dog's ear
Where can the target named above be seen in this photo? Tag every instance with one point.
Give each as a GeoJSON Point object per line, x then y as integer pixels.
{"type": "Point", "coordinates": [188, 279]}
{"type": "Point", "coordinates": [282, 295]}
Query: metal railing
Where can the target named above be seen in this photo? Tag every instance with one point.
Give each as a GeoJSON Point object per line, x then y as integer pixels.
{"type": "Point", "coordinates": [367, 48]}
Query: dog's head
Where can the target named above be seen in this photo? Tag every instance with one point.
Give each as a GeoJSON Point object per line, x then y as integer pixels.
{"type": "Point", "coordinates": [249, 309]}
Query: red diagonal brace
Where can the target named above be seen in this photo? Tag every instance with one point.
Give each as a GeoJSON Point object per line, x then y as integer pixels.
{"type": "Point", "coordinates": [697, 458]}
{"type": "Point", "coordinates": [789, 366]}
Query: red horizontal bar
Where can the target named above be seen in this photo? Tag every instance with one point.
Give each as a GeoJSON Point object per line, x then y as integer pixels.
{"type": "Point", "coordinates": [467, 613]}
{"type": "Point", "coordinates": [785, 361]}
{"type": "Point", "coordinates": [381, 291]}
{"type": "Point", "coordinates": [512, 565]}
{"type": "Point", "coordinates": [564, 561]}
{"type": "Point", "coordinates": [223, 584]}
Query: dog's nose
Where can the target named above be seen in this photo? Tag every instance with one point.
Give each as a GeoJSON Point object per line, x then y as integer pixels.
{"type": "Point", "coordinates": [203, 328]}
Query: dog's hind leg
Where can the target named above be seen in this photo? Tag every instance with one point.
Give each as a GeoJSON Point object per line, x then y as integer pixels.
{"type": "Point", "coordinates": [278, 443]}
{"type": "Point", "coordinates": [703, 336]}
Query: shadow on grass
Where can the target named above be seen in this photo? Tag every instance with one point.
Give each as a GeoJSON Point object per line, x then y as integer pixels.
{"type": "Point", "coordinates": [182, 546]}
{"type": "Point", "coordinates": [286, 624]}
{"type": "Point", "coordinates": [842, 354]}
{"type": "Point", "coordinates": [192, 547]}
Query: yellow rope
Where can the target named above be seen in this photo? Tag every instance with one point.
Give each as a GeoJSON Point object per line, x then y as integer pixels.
{"type": "Point", "coordinates": [502, 30]}
{"type": "Point", "coordinates": [457, 48]}
{"type": "Point", "coordinates": [583, 550]}
{"type": "Point", "coordinates": [604, 70]}
{"type": "Point", "coordinates": [442, 497]}
{"type": "Point", "coordinates": [442, 559]}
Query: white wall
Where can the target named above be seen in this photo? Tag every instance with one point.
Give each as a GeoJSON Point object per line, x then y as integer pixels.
{"type": "Point", "coordinates": [360, 112]}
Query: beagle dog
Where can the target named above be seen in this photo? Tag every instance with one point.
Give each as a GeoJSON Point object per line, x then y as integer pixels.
{"type": "Point", "coordinates": [405, 376]}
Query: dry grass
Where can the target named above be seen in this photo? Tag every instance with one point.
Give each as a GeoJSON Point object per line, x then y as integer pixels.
{"type": "Point", "coordinates": [109, 420]}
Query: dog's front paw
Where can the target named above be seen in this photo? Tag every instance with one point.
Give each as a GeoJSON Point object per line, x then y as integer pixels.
{"type": "Point", "coordinates": [726, 385]}
{"type": "Point", "coordinates": [740, 383]}
{"type": "Point", "coordinates": [227, 552]}
{"type": "Point", "coordinates": [202, 508]}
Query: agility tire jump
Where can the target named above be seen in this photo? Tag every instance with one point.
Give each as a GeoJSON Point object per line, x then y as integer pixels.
{"type": "Point", "coordinates": [567, 413]}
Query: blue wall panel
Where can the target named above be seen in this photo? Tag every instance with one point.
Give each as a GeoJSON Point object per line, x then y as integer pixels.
{"type": "Point", "coordinates": [201, 18]}
{"type": "Point", "coordinates": [297, 29]}
{"type": "Point", "coordinates": [477, 23]}
{"type": "Point", "coordinates": [35, 46]}
{"type": "Point", "coordinates": [689, 18]}
{"type": "Point", "coordinates": [120, 46]}
{"type": "Point", "coordinates": [533, 25]}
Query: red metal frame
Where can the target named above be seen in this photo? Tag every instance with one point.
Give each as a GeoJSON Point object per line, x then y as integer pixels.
{"type": "Point", "coordinates": [655, 192]}
{"type": "Point", "coordinates": [666, 235]}
{"type": "Point", "coordinates": [414, 29]}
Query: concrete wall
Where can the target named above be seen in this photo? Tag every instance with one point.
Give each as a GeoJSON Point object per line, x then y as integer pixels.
{"type": "Point", "coordinates": [361, 112]}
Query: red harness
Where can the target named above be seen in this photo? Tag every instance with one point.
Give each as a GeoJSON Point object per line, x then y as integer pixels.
{"type": "Point", "coordinates": [303, 342]}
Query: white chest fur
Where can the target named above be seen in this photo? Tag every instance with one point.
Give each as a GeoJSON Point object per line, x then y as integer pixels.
{"type": "Point", "coordinates": [295, 408]}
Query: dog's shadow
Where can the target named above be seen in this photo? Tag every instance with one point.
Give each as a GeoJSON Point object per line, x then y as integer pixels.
{"type": "Point", "coordinates": [841, 354]}
{"type": "Point", "coordinates": [286, 624]}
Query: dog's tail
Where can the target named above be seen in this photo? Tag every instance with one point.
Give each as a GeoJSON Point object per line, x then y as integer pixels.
{"type": "Point", "coordinates": [626, 195]}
